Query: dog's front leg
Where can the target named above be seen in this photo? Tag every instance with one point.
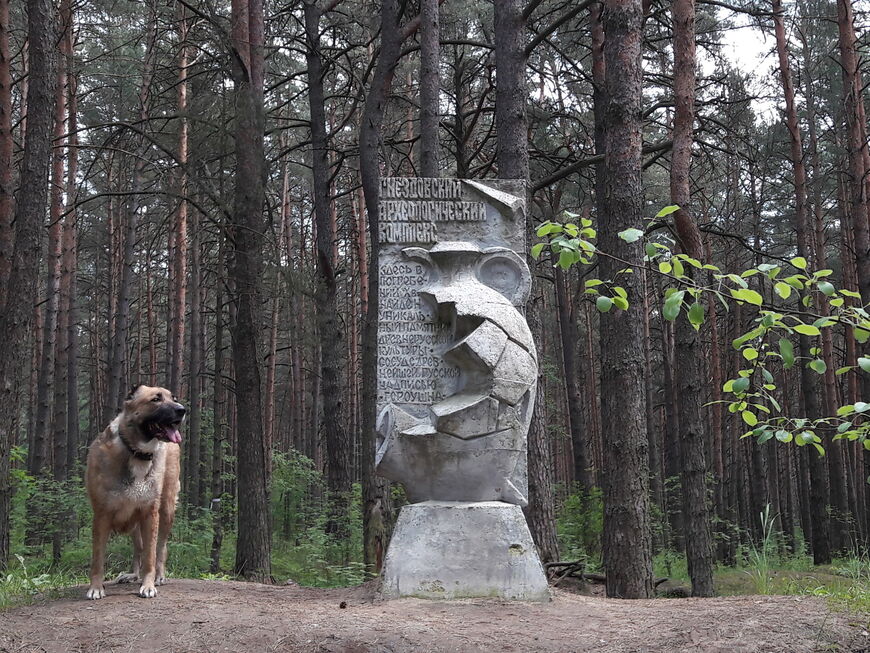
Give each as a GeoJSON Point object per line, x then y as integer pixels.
{"type": "Point", "coordinates": [101, 530]}
{"type": "Point", "coordinates": [148, 530]}
{"type": "Point", "coordinates": [166, 519]}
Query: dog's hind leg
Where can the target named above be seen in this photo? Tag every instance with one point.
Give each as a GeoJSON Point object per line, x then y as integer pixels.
{"type": "Point", "coordinates": [101, 530]}
{"type": "Point", "coordinates": [148, 530]}
{"type": "Point", "coordinates": [136, 537]}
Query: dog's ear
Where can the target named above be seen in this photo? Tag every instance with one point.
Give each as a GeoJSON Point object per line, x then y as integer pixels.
{"type": "Point", "coordinates": [132, 392]}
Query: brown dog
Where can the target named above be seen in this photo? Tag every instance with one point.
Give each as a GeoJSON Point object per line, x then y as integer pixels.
{"type": "Point", "coordinates": [132, 481]}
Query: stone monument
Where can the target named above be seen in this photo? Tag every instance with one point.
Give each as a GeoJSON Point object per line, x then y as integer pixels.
{"type": "Point", "coordinates": [457, 370]}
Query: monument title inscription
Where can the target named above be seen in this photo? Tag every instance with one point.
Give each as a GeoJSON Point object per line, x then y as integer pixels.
{"type": "Point", "coordinates": [419, 212]}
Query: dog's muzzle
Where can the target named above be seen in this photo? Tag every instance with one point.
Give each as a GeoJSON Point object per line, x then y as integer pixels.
{"type": "Point", "coordinates": [165, 423]}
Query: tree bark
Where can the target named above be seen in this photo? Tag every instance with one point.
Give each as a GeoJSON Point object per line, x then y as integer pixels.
{"type": "Point", "coordinates": [569, 332]}
{"type": "Point", "coordinates": [70, 255]}
{"type": "Point", "coordinates": [512, 156]}
{"type": "Point", "coordinates": [219, 410]}
{"type": "Point", "coordinates": [512, 149]}
{"type": "Point", "coordinates": [857, 145]}
{"type": "Point", "coordinates": [688, 356]}
{"type": "Point", "coordinates": [246, 233]}
{"type": "Point", "coordinates": [716, 428]}
{"type": "Point", "coordinates": [430, 87]}
{"type": "Point", "coordinates": [61, 518]}
{"type": "Point", "coordinates": [376, 499]}
{"type": "Point", "coordinates": [39, 453]}
{"type": "Point", "coordinates": [332, 430]}
{"type": "Point", "coordinates": [16, 316]}
{"type": "Point", "coordinates": [819, 487]}
{"type": "Point", "coordinates": [626, 542]}
{"type": "Point", "coordinates": [540, 513]}
{"type": "Point", "coordinates": [836, 450]}
{"type": "Point", "coordinates": [459, 130]}
{"type": "Point", "coordinates": [6, 147]}
{"type": "Point", "coordinates": [178, 231]}
{"type": "Point", "coordinates": [194, 467]}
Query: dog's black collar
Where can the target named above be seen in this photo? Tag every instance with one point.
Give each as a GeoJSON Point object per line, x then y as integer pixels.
{"type": "Point", "coordinates": [138, 455]}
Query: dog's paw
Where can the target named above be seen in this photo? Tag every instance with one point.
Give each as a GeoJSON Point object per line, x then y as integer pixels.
{"type": "Point", "coordinates": [161, 580]}
{"type": "Point", "coordinates": [127, 578]}
{"type": "Point", "coordinates": [95, 593]}
{"type": "Point", "coordinates": [147, 592]}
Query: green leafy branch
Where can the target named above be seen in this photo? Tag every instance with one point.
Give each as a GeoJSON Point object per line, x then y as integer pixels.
{"type": "Point", "coordinates": [820, 305]}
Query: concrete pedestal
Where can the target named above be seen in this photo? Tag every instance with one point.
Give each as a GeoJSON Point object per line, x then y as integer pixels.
{"type": "Point", "coordinates": [451, 550]}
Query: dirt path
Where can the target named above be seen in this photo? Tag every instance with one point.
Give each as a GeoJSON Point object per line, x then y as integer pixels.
{"type": "Point", "coordinates": [212, 616]}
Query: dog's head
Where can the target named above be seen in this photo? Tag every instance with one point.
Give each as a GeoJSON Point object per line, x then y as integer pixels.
{"type": "Point", "coordinates": [155, 412]}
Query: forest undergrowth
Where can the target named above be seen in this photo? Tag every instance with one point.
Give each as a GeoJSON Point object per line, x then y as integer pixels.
{"type": "Point", "coordinates": [304, 553]}
{"type": "Point", "coordinates": [302, 550]}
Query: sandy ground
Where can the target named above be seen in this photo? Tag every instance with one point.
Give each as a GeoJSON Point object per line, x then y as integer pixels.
{"type": "Point", "coordinates": [212, 616]}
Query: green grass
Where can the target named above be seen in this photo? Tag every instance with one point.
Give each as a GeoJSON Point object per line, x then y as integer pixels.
{"type": "Point", "coordinates": [22, 586]}
{"type": "Point", "coordinates": [317, 561]}
{"type": "Point", "coordinates": [845, 583]}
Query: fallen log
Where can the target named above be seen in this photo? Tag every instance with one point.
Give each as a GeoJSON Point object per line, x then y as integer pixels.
{"type": "Point", "coordinates": [574, 569]}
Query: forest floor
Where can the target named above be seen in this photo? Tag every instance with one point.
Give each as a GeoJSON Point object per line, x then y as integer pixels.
{"type": "Point", "coordinates": [200, 615]}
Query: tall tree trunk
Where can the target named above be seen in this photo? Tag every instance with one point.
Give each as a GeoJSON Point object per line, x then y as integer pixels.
{"type": "Point", "coordinates": [670, 455]}
{"type": "Point", "coordinates": [338, 472]}
{"type": "Point", "coordinates": [540, 513]}
{"type": "Point", "coordinates": [836, 450]}
{"type": "Point", "coordinates": [16, 316]}
{"type": "Point", "coordinates": [178, 232]}
{"type": "Point", "coordinates": [194, 468]}
{"type": "Point", "coordinates": [70, 255]}
{"type": "Point", "coordinates": [599, 109]}
{"type": "Point", "coordinates": [857, 145]}
{"type": "Point", "coordinates": [247, 234]}
{"type": "Point", "coordinates": [219, 410]}
{"type": "Point", "coordinates": [512, 156]}
{"type": "Point", "coordinates": [716, 428]}
{"type": "Point", "coordinates": [430, 87]}
{"type": "Point", "coordinates": [568, 333]}
{"type": "Point", "coordinates": [39, 453]}
{"type": "Point", "coordinates": [512, 149]}
{"type": "Point", "coordinates": [627, 550]}
{"type": "Point", "coordinates": [376, 499]}
{"type": "Point", "coordinates": [656, 477]}
{"type": "Point", "coordinates": [60, 438]}
{"type": "Point", "coordinates": [6, 147]}
{"type": "Point", "coordinates": [688, 356]}
{"type": "Point", "coordinates": [819, 487]}
{"type": "Point", "coordinates": [458, 128]}
{"type": "Point", "coordinates": [269, 410]}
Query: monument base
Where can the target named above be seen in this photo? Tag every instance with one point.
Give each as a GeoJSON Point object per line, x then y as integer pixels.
{"type": "Point", "coordinates": [452, 550]}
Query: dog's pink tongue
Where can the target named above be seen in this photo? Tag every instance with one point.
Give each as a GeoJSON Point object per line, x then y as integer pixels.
{"type": "Point", "coordinates": [173, 435]}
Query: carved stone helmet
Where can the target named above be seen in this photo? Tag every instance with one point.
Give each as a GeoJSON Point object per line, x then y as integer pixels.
{"type": "Point", "coordinates": [454, 264]}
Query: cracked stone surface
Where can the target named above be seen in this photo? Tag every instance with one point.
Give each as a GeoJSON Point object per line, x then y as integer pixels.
{"type": "Point", "coordinates": [489, 343]}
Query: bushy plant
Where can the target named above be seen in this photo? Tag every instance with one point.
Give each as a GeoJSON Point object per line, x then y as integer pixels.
{"type": "Point", "coordinates": [670, 564]}
{"type": "Point", "coordinates": [318, 558]}
{"type": "Point", "coordinates": [856, 567]}
{"type": "Point", "coordinates": [579, 525]}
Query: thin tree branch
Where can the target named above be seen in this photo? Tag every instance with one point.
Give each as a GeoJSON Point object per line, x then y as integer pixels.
{"type": "Point", "coordinates": [589, 161]}
{"type": "Point", "coordinates": [556, 24]}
